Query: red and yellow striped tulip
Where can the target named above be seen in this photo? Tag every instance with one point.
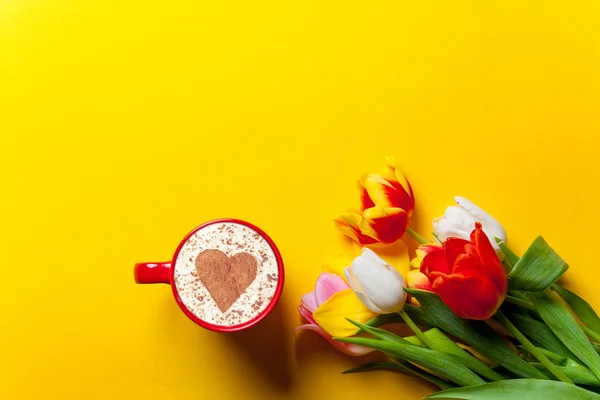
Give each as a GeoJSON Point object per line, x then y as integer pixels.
{"type": "Point", "coordinates": [387, 204]}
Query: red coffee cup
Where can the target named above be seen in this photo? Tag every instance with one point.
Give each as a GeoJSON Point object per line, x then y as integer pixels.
{"type": "Point", "coordinates": [214, 240]}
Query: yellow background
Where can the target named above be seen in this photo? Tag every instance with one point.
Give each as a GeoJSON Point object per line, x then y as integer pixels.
{"type": "Point", "coordinates": [124, 124]}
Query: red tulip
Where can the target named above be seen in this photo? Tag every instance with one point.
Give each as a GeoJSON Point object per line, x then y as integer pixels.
{"type": "Point", "coordinates": [467, 275]}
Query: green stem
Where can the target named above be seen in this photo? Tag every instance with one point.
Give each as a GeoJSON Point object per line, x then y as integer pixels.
{"type": "Point", "coordinates": [418, 332]}
{"type": "Point", "coordinates": [416, 236]}
{"type": "Point", "coordinates": [593, 334]}
{"type": "Point", "coordinates": [527, 345]}
{"type": "Point", "coordinates": [519, 302]}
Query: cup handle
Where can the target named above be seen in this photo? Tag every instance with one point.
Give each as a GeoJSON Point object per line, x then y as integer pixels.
{"type": "Point", "coordinates": [152, 272]}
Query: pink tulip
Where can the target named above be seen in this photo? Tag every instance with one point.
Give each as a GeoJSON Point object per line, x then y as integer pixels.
{"type": "Point", "coordinates": [327, 285]}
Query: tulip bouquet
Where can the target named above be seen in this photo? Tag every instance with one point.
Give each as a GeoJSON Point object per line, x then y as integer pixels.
{"type": "Point", "coordinates": [486, 323]}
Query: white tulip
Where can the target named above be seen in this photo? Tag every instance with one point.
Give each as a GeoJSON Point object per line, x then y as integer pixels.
{"type": "Point", "coordinates": [376, 283]}
{"type": "Point", "coordinates": [459, 221]}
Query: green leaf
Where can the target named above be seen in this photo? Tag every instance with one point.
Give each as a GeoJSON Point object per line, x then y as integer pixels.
{"type": "Point", "coordinates": [446, 345]}
{"type": "Point", "coordinates": [379, 333]}
{"type": "Point", "coordinates": [594, 389]}
{"type": "Point", "coordinates": [439, 342]}
{"type": "Point", "coordinates": [511, 257]}
{"type": "Point", "coordinates": [476, 333]}
{"type": "Point", "coordinates": [583, 310]}
{"type": "Point", "coordinates": [555, 358]}
{"type": "Point", "coordinates": [529, 311]}
{"type": "Point", "coordinates": [414, 340]}
{"type": "Point", "coordinates": [401, 366]}
{"type": "Point", "coordinates": [531, 348]}
{"type": "Point", "coordinates": [441, 364]}
{"type": "Point", "coordinates": [560, 320]}
{"type": "Point", "coordinates": [539, 268]}
{"type": "Point", "coordinates": [418, 316]}
{"type": "Point", "coordinates": [579, 374]}
{"type": "Point", "coordinates": [518, 301]}
{"type": "Point", "coordinates": [521, 389]}
{"type": "Point", "coordinates": [375, 366]}
{"type": "Point", "coordinates": [541, 335]}
{"type": "Point", "coordinates": [415, 313]}
{"type": "Point", "coordinates": [383, 319]}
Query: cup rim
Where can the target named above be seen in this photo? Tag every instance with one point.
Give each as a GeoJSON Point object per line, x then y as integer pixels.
{"type": "Point", "coordinates": [251, 322]}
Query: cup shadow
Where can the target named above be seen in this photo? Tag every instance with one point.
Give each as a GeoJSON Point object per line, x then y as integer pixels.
{"type": "Point", "coordinates": [266, 348]}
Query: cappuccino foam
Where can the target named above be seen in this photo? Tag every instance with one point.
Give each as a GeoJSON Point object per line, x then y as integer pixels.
{"type": "Point", "coordinates": [230, 238]}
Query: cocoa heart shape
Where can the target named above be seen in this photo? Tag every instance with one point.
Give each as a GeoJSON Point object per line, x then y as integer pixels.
{"type": "Point", "coordinates": [225, 278]}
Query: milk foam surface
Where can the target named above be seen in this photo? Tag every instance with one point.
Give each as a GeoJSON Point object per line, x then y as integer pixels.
{"type": "Point", "coordinates": [230, 238]}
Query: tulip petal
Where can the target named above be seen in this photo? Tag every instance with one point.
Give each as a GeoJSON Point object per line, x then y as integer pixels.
{"type": "Point", "coordinates": [359, 291]}
{"type": "Point", "coordinates": [480, 239]}
{"type": "Point", "coordinates": [492, 227]}
{"type": "Point", "coordinates": [331, 315]}
{"type": "Point", "coordinates": [435, 260]}
{"type": "Point", "coordinates": [365, 199]}
{"type": "Point", "coordinates": [309, 301]}
{"type": "Point", "coordinates": [346, 348]}
{"type": "Point", "coordinates": [327, 285]}
{"type": "Point", "coordinates": [347, 223]}
{"type": "Point", "coordinates": [387, 225]}
{"type": "Point", "coordinates": [454, 247]}
{"type": "Point", "coordinates": [415, 263]}
{"type": "Point", "coordinates": [417, 280]}
{"type": "Point", "coordinates": [392, 165]}
{"type": "Point", "coordinates": [456, 222]}
{"type": "Point", "coordinates": [470, 297]}
{"type": "Point", "coordinates": [489, 258]}
{"type": "Point", "coordinates": [435, 274]}
{"type": "Point", "coordinates": [425, 249]}
{"type": "Point", "coordinates": [396, 255]}
{"type": "Point", "coordinates": [413, 300]}
{"type": "Point", "coordinates": [379, 282]}
{"type": "Point", "coordinates": [385, 193]}
{"type": "Point", "coordinates": [306, 314]}
{"type": "Point", "coordinates": [421, 252]}
{"type": "Point", "coordinates": [336, 264]}
{"type": "Point", "coordinates": [468, 265]}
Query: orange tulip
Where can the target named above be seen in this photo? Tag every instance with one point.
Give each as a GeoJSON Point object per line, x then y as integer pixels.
{"type": "Point", "coordinates": [467, 275]}
{"type": "Point", "coordinates": [387, 203]}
